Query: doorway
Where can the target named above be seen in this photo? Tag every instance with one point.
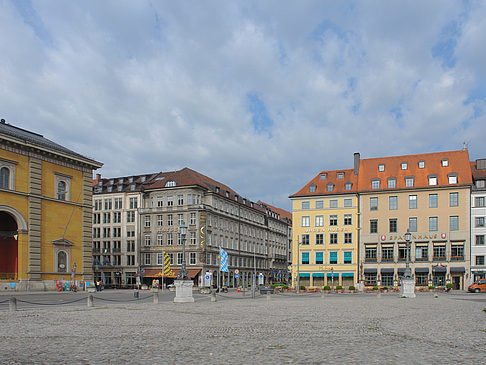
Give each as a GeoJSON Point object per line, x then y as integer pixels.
{"type": "Point", "coordinates": [456, 281]}
{"type": "Point", "coordinates": [8, 247]}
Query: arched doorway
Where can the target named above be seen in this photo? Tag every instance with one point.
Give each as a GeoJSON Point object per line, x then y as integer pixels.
{"type": "Point", "coordinates": [8, 247]}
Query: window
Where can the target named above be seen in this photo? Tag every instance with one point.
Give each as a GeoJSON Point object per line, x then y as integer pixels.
{"type": "Point", "coordinates": [180, 200]}
{"type": "Point", "coordinates": [306, 205]}
{"type": "Point", "coordinates": [375, 184]}
{"type": "Point", "coordinates": [412, 201]}
{"type": "Point", "coordinates": [480, 240]}
{"type": "Point", "coordinates": [479, 201]}
{"type": "Point", "coordinates": [319, 220]}
{"type": "Point", "coordinates": [439, 253]}
{"type": "Point", "coordinates": [4, 178]}
{"type": "Point", "coordinates": [393, 225]}
{"type": "Point", "coordinates": [305, 239]}
{"type": "Point", "coordinates": [348, 219]}
{"type": "Point", "coordinates": [453, 199]}
{"type": "Point", "coordinates": [421, 253]}
{"type": "Point", "coordinates": [432, 180]}
{"type": "Point", "coordinates": [370, 253]}
{"type": "Point", "coordinates": [333, 258]}
{"type": "Point", "coordinates": [170, 201]}
{"type": "Point", "coordinates": [404, 165]}
{"type": "Point", "coordinates": [387, 253]}
{"type": "Point", "coordinates": [348, 237]}
{"type": "Point", "coordinates": [323, 176]}
{"type": "Point", "coordinates": [452, 179]}
{"type": "Point", "coordinates": [393, 202]}
{"type": "Point", "coordinates": [305, 258]}
{"type": "Point", "coordinates": [340, 175]}
{"type": "Point", "coordinates": [118, 203]}
{"type": "Point", "coordinates": [170, 184]}
{"type": "Point", "coordinates": [333, 203]}
{"type": "Point", "coordinates": [312, 188]}
{"type": "Point", "coordinates": [320, 204]}
{"type": "Point", "coordinates": [147, 259]}
{"type": "Point", "coordinates": [192, 258]}
{"type": "Point", "coordinates": [348, 186]}
{"type": "Point", "coordinates": [445, 162]}
{"type": "Point", "coordinates": [130, 217]}
{"type": "Point", "coordinates": [421, 164]}
{"type": "Point", "coordinates": [370, 278]}
{"type": "Point", "coordinates": [147, 240]}
{"type": "Point", "coordinates": [333, 220]}
{"type": "Point", "coordinates": [159, 239]}
{"type": "Point", "coordinates": [402, 253]}
{"type": "Point", "coordinates": [479, 221]}
{"type": "Point", "coordinates": [421, 278]}
{"type": "Point", "coordinates": [130, 262]}
{"type": "Point", "coordinates": [330, 187]}
{"type": "Point", "coordinates": [480, 183]}
{"type": "Point", "coordinates": [348, 203]}
{"type": "Point", "coordinates": [319, 238]}
{"type": "Point", "coordinates": [179, 258]}
{"type": "Point", "coordinates": [433, 224]}
{"type": "Point", "coordinates": [374, 226]}
{"type": "Point", "coordinates": [160, 258]}
{"type": "Point", "coordinates": [457, 252]}
{"type": "Point", "coordinates": [373, 203]}
{"type": "Point", "coordinates": [409, 182]}
{"type": "Point", "coordinates": [433, 201]}
{"type": "Point", "coordinates": [480, 260]}
{"type": "Point", "coordinates": [319, 258]}
{"type": "Point", "coordinates": [348, 257]}
{"type": "Point", "coordinates": [454, 223]}
{"type": "Point", "coordinates": [193, 238]}
{"type": "Point", "coordinates": [305, 221]}
{"type": "Point", "coordinates": [412, 224]}
{"type": "Point", "coordinates": [62, 261]}
{"type": "Point", "coordinates": [392, 183]}
{"type": "Point", "coordinates": [159, 221]}
{"type": "Point", "coordinates": [381, 167]}
{"type": "Point", "coordinates": [333, 238]}
{"type": "Point", "coordinates": [180, 219]}
{"type": "Point", "coordinates": [192, 219]}
{"type": "Point", "coordinates": [133, 203]}
{"type": "Point", "coordinates": [170, 239]}
{"type": "Point", "coordinates": [61, 190]}
{"type": "Point", "coordinates": [147, 221]}
{"type": "Point", "coordinates": [170, 221]}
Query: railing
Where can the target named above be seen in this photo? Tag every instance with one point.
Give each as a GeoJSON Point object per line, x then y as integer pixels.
{"type": "Point", "coordinates": [440, 258]}
{"type": "Point", "coordinates": [370, 259]}
{"type": "Point", "coordinates": [96, 250]}
{"type": "Point", "coordinates": [457, 258]}
{"type": "Point", "coordinates": [116, 250]}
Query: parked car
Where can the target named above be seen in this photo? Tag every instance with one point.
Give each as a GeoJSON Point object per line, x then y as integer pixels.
{"type": "Point", "coordinates": [478, 286]}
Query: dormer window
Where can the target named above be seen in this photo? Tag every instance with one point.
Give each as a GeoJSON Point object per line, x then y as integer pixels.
{"type": "Point", "coordinates": [421, 164]}
{"type": "Point", "coordinates": [409, 181]}
{"type": "Point", "coordinates": [171, 184]}
{"type": "Point", "coordinates": [227, 194]}
{"type": "Point", "coordinates": [452, 178]}
{"type": "Point", "coordinates": [392, 183]}
{"type": "Point", "coordinates": [381, 167]}
{"type": "Point", "coordinates": [112, 182]}
{"type": "Point", "coordinates": [348, 186]}
{"type": "Point", "coordinates": [323, 176]}
{"type": "Point", "coordinates": [375, 183]}
{"type": "Point", "coordinates": [404, 166]}
{"type": "Point", "coordinates": [217, 189]}
{"type": "Point", "coordinates": [330, 187]}
{"type": "Point", "coordinates": [340, 175]}
{"type": "Point", "coordinates": [120, 187]}
{"type": "Point", "coordinates": [236, 197]}
{"type": "Point", "coordinates": [120, 181]}
{"type": "Point", "coordinates": [132, 187]}
{"type": "Point", "coordinates": [445, 162]}
{"type": "Point", "coordinates": [312, 188]}
{"type": "Point", "coordinates": [110, 189]}
{"type": "Point", "coordinates": [130, 180]}
{"type": "Point", "coordinates": [432, 180]}
{"type": "Point", "coordinates": [480, 183]}
{"type": "Point", "coordinates": [143, 179]}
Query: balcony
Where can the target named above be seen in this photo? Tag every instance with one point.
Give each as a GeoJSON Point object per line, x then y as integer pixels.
{"type": "Point", "coordinates": [439, 258]}
{"type": "Point", "coordinates": [370, 259]}
{"type": "Point", "coordinates": [96, 250]}
{"type": "Point", "coordinates": [116, 250]}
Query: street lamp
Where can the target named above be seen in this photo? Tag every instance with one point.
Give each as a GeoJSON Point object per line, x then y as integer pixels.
{"type": "Point", "coordinates": [332, 280]}
{"type": "Point", "coordinates": [408, 272]}
{"type": "Point", "coordinates": [298, 268]}
{"type": "Point", "coordinates": [182, 274]}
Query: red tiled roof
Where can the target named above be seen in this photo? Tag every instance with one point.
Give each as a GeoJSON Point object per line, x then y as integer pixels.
{"type": "Point", "coordinates": [458, 164]}
{"type": "Point", "coordinates": [281, 212]}
{"type": "Point", "coordinates": [331, 178]}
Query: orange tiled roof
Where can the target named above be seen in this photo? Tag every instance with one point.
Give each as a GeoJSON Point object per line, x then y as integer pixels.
{"type": "Point", "coordinates": [458, 163]}
{"type": "Point", "coordinates": [281, 212]}
{"type": "Point", "coordinates": [331, 177]}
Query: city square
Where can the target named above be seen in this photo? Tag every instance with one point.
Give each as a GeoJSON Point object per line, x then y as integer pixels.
{"type": "Point", "coordinates": [236, 329]}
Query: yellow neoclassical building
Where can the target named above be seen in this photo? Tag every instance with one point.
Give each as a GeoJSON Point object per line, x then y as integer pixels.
{"type": "Point", "coordinates": [45, 211]}
{"type": "Point", "coordinates": [325, 231]}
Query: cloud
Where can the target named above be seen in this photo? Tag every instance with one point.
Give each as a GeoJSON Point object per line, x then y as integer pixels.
{"type": "Point", "coordinates": [259, 95]}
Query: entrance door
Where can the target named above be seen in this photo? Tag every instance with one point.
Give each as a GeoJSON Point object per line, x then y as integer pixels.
{"type": "Point", "coordinates": [457, 282]}
{"type": "Point", "coordinates": [8, 247]}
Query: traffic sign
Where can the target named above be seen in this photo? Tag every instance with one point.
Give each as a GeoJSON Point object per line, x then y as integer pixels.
{"type": "Point", "coordinates": [237, 271]}
{"type": "Point", "coordinates": [237, 276]}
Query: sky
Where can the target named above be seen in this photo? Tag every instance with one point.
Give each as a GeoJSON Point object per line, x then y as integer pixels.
{"type": "Point", "coordinates": [259, 95]}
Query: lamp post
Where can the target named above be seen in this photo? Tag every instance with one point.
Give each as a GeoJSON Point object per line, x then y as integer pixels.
{"type": "Point", "coordinates": [408, 272]}
{"type": "Point", "coordinates": [298, 268]}
{"type": "Point", "coordinates": [407, 289]}
{"type": "Point", "coordinates": [182, 274]}
{"type": "Point", "coordinates": [332, 280]}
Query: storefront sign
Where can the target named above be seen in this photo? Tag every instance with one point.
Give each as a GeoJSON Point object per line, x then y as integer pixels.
{"type": "Point", "coordinates": [331, 229]}
{"type": "Point", "coordinates": [421, 236]}
{"type": "Point", "coordinates": [202, 231]}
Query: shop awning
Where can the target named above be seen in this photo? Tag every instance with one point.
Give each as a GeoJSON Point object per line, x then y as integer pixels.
{"type": "Point", "coordinates": [305, 275]}
{"type": "Point", "coordinates": [387, 270]}
{"type": "Point", "coordinates": [401, 270]}
{"type": "Point", "coordinates": [458, 269]}
{"type": "Point", "coordinates": [347, 275]}
{"type": "Point", "coordinates": [157, 273]}
{"type": "Point", "coordinates": [318, 275]}
{"type": "Point", "coordinates": [439, 269]}
{"type": "Point", "coordinates": [422, 269]}
{"type": "Point", "coordinates": [370, 271]}
{"type": "Point", "coordinates": [331, 275]}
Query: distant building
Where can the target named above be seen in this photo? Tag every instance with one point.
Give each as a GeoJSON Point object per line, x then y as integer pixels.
{"type": "Point", "coordinates": [478, 216]}
{"type": "Point", "coordinates": [253, 234]}
{"type": "Point", "coordinates": [45, 211]}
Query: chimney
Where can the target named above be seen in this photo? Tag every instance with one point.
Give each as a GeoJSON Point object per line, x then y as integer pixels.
{"type": "Point", "coordinates": [356, 163]}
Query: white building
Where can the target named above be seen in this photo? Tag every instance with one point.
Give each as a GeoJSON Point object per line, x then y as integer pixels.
{"type": "Point", "coordinates": [478, 224]}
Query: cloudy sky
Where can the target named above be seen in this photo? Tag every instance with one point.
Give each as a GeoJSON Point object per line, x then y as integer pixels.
{"type": "Point", "coordinates": [260, 95]}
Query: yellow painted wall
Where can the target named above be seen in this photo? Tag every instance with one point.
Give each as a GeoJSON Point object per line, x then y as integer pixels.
{"type": "Point", "coordinates": [21, 169]}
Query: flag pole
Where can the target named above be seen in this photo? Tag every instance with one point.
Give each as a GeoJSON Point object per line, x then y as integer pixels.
{"type": "Point", "coordinates": [163, 268]}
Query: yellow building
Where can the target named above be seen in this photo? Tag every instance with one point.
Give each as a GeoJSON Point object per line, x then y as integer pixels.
{"type": "Point", "coordinates": [325, 231]}
{"type": "Point", "coordinates": [45, 211]}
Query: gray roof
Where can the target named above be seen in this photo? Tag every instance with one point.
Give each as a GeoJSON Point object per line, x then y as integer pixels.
{"type": "Point", "coordinates": [31, 137]}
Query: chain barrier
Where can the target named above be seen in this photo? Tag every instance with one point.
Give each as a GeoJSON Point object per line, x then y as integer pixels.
{"type": "Point", "coordinates": [34, 303]}
{"type": "Point", "coordinates": [236, 298]}
{"type": "Point", "coordinates": [4, 301]}
{"type": "Point", "coordinates": [123, 301]}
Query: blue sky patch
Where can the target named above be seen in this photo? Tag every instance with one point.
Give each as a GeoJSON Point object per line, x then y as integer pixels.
{"type": "Point", "coordinates": [260, 118]}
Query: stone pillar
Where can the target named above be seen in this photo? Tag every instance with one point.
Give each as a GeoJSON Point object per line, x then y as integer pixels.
{"type": "Point", "coordinates": [183, 291]}
{"type": "Point", "coordinates": [35, 219]}
{"type": "Point", "coordinates": [87, 227]}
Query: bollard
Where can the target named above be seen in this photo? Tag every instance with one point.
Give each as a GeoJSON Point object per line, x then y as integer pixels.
{"type": "Point", "coordinates": [156, 297]}
{"type": "Point", "coordinates": [322, 295]}
{"type": "Point", "coordinates": [268, 296]}
{"type": "Point", "coordinates": [12, 304]}
{"type": "Point", "coordinates": [135, 294]}
{"type": "Point", "coordinates": [90, 300]}
{"type": "Point", "coordinates": [378, 295]}
{"type": "Point", "coordinates": [213, 296]}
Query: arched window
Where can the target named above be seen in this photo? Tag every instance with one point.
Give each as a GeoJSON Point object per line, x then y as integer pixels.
{"type": "Point", "coordinates": [4, 178]}
{"type": "Point", "coordinates": [61, 190]}
{"type": "Point", "coordinates": [61, 261]}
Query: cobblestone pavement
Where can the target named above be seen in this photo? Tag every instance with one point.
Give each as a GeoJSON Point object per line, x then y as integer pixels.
{"type": "Point", "coordinates": [334, 329]}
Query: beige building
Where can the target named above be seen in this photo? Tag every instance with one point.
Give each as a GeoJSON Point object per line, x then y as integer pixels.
{"type": "Point", "coordinates": [429, 194]}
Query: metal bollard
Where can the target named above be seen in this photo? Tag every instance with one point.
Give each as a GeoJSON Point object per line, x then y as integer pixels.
{"type": "Point", "coordinates": [12, 304]}
{"type": "Point", "coordinates": [135, 294]}
{"type": "Point", "coordinates": [90, 300]}
{"type": "Point", "coordinates": [213, 296]}
{"type": "Point", "coordinates": [156, 297]}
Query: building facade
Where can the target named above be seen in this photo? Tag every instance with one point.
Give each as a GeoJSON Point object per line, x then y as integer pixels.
{"type": "Point", "coordinates": [45, 211]}
{"type": "Point", "coordinates": [325, 231]}
{"type": "Point", "coordinates": [254, 236]}
{"type": "Point", "coordinates": [478, 217]}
